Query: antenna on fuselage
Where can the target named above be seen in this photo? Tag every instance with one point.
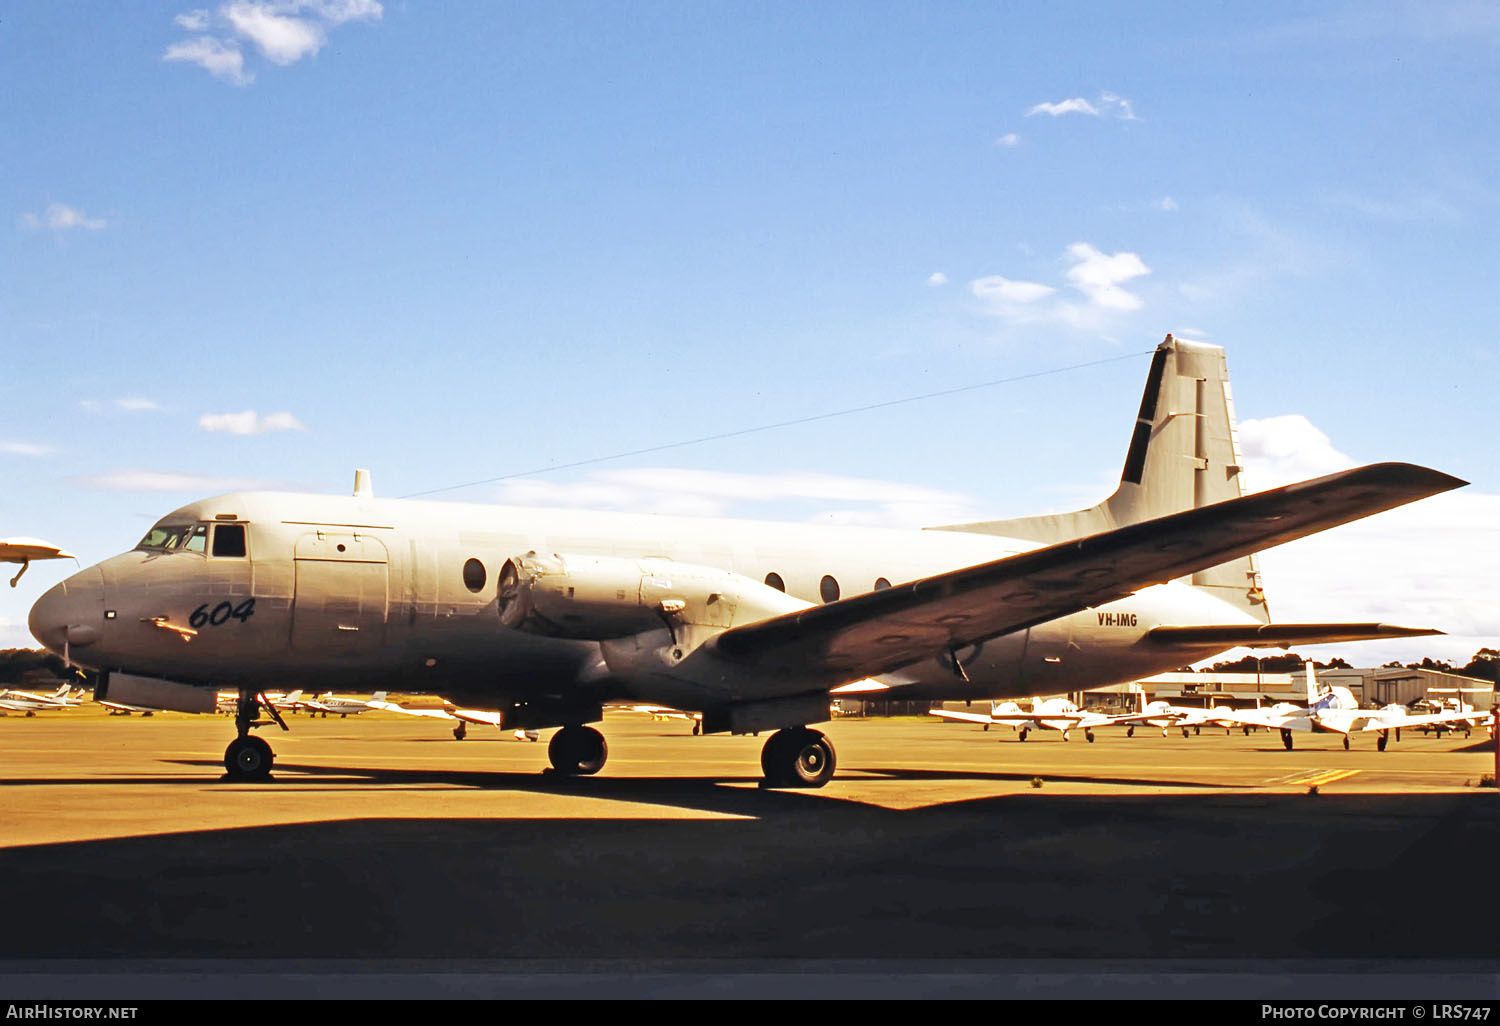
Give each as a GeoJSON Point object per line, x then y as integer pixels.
{"type": "Point", "coordinates": [362, 486]}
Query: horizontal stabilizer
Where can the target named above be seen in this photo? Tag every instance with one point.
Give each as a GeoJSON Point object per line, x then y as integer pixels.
{"type": "Point", "coordinates": [1280, 635]}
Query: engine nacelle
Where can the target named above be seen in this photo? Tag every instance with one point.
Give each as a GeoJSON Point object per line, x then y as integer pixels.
{"type": "Point", "coordinates": [600, 598]}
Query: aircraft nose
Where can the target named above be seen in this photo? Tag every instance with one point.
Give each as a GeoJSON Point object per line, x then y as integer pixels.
{"type": "Point", "coordinates": [71, 614]}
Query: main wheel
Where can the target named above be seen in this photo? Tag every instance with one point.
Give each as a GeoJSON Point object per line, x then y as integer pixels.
{"type": "Point", "coordinates": [1346, 742]}
{"type": "Point", "coordinates": [248, 758]}
{"type": "Point", "coordinates": [1381, 741]}
{"type": "Point", "coordinates": [1089, 736]}
{"type": "Point", "coordinates": [797, 757]}
{"type": "Point", "coordinates": [1286, 739]}
{"type": "Point", "coordinates": [577, 751]}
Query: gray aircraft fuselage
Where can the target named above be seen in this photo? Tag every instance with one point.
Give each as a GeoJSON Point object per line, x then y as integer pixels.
{"type": "Point", "coordinates": [363, 593]}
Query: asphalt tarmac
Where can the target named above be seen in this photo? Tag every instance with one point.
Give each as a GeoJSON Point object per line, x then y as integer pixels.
{"type": "Point", "coordinates": [387, 859]}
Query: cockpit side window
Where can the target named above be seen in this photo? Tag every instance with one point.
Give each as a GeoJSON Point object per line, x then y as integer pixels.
{"type": "Point", "coordinates": [229, 540]}
{"type": "Point", "coordinates": [198, 540]}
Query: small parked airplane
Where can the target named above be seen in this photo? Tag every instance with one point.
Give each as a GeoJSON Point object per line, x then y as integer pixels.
{"type": "Point", "coordinates": [449, 711]}
{"type": "Point", "coordinates": [24, 550]}
{"type": "Point", "coordinates": [30, 703]}
{"type": "Point", "coordinates": [1058, 714]}
{"type": "Point", "coordinates": [1336, 710]}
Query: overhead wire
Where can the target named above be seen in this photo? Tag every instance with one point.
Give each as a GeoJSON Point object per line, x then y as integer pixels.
{"type": "Point", "coordinates": [814, 418]}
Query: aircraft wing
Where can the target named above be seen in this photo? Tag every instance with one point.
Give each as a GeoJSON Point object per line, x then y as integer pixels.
{"type": "Point", "coordinates": [878, 632]}
{"type": "Point", "coordinates": [964, 717]}
{"type": "Point", "coordinates": [1377, 721]}
{"type": "Point", "coordinates": [436, 714]}
{"type": "Point", "coordinates": [18, 550]}
{"type": "Point", "coordinates": [1280, 635]}
{"type": "Point", "coordinates": [1270, 719]}
{"type": "Point", "coordinates": [474, 716]}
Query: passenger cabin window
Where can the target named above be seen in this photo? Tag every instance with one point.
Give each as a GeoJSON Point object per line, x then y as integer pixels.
{"type": "Point", "coordinates": [229, 540]}
{"type": "Point", "coordinates": [881, 584]}
{"type": "Point", "coordinates": [829, 589]}
{"type": "Point", "coordinates": [773, 580]}
{"type": "Point", "coordinates": [474, 575]}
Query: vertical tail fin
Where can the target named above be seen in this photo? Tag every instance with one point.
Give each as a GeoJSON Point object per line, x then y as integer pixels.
{"type": "Point", "coordinates": [1183, 454]}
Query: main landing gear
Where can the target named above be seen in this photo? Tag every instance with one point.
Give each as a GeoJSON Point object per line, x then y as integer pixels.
{"type": "Point", "coordinates": [248, 758]}
{"type": "Point", "coordinates": [797, 757]}
{"type": "Point", "coordinates": [1286, 738]}
{"type": "Point", "coordinates": [577, 751]}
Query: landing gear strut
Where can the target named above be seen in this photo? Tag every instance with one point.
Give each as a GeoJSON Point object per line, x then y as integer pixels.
{"type": "Point", "coordinates": [1382, 740]}
{"type": "Point", "coordinates": [248, 757]}
{"type": "Point", "coordinates": [577, 751]}
{"type": "Point", "coordinates": [797, 757]}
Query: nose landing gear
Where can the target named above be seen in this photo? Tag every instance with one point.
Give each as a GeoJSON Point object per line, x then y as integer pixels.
{"type": "Point", "coordinates": [249, 758]}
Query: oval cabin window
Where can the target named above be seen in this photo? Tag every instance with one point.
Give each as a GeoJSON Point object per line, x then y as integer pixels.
{"type": "Point", "coordinates": [829, 589]}
{"type": "Point", "coordinates": [773, 580]}
{"type": "Point", "coordinates": [474, 575]}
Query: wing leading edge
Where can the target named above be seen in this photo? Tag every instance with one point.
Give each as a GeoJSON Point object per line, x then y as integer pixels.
{"type": "Point", "coordinates": [879, 632]}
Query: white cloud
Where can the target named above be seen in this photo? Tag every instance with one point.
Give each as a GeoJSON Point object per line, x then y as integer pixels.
{"type": "Point", "coordinates": [249, 423]}
{"type": "Point", "coordinates": [1108, 105]}
{"type": "Point", "coordinates": [1166, 204]}
{"type": "Point", "coordinates": [1428, 564]}
{"type": "Point", "coordinates": [1008, 139]}
{"type": "Point", "coordinates": [998, 291]}
{"type": "Point", "coordinates": [1117, 106]}
{"type": "Point", "coordinates": [1095, 274]}
{"type": "Point", "coordinates": [1285, 449]}
{"type": "Point", "coordinates": [687, 492]}
{"type": "Point", "coordinates": [61, 218]}
{"type": "Point", "coordinates": [1098, 276]}
{"type": "Point", "coordinates": [1077, 105]}
{"type": "Point", "coordinates": [220, 59]}
{"type": "Point", "coordinates": [937, 278]}
{"type": "Point", "coordinates": [166, 481]}
{"type": "Point", "coordinates": [283, 39]}
{"type": "Point", "coordinates": [24, 448]}
{"type": "Point", "coordinates": [284, 31]}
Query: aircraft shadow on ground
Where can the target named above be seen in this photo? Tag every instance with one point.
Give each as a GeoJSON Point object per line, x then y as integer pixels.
{"type": "Point", "coordinates": [1242, 876]}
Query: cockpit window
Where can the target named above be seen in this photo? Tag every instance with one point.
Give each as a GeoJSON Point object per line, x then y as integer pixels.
{"type": "Point", "coordinates": [168, 537]}
{"type": "Point", "coordinates": [198, 540]}
{"type": "Point", "coordinates": [229, 539]}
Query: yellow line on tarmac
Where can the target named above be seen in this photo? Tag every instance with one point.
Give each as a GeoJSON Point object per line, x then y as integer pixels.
{"type": "Point", "coordinates": [1326, 777]}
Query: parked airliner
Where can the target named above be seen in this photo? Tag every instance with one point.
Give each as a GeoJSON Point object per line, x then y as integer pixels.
{"type": "Point", "coordinates": [546, 615]}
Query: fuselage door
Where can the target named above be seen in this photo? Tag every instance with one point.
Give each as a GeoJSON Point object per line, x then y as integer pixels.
{"type": "Point", "coordinates": [342, 586]}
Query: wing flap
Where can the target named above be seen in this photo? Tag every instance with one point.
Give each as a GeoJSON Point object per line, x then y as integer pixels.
{"type": "Point", "coordinates": [878, 632]}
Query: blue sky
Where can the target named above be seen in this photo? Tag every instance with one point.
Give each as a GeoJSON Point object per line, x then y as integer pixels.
{"type": "Point", "coordinates": [267, 242]}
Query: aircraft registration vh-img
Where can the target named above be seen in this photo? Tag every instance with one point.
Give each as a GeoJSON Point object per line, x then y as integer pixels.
{"type": "Point", "coordinates": [545, 615]}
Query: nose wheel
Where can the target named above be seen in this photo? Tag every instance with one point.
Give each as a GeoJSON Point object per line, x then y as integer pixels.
{"type": "Point", "coordinates": [248, 758]}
